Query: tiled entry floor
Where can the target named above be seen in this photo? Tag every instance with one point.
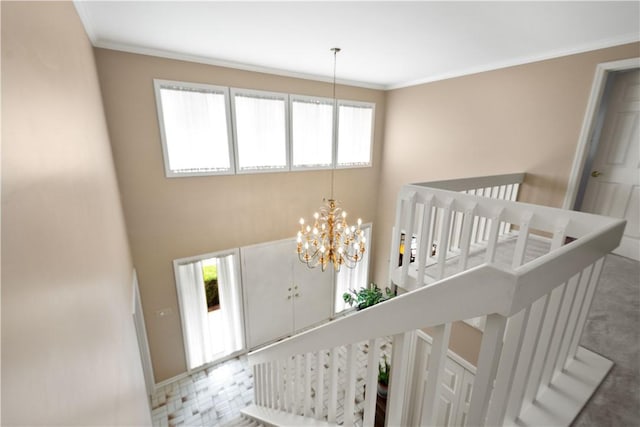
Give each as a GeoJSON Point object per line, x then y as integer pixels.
{"type": "Point", "coordinates": [210, 397]}
{"type": "Point", "coordinates": [215, 396]}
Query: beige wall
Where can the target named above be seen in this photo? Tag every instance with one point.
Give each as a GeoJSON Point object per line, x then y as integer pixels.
{"type": "Point", "coordinates": [169, 218]}
{"type": "Point", "coordinates": [69, 351]}
{"type": "Point", "coordinates": [518, 119]}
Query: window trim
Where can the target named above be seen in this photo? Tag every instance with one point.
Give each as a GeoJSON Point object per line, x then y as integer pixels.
{"type": "Point", "coordinates": [351, 103]}
{"type": "Point", "coordinates": [260, 93]}
{"type": "Point", "coordinates": [158, 84]}
{"type": "Point", "coordinates": [324, 100]}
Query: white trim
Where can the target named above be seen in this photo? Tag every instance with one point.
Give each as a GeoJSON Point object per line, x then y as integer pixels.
{"type": "Point", "coordinates": [617, 41]}
{"type": "Point", "coordinates": [85, 18]}
{"type": "Point", "coordinates": [141, 335]}
{"type": "Point", "coordinates": [158, 84]}
{"type": "Point", "coordinates": [597, 89]}
{"type": "Point", "coordinates": [172, 380]}
{"type": "Point", "coordinates": [160, 53]}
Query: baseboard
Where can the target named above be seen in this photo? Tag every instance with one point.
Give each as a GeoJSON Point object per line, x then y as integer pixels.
{"type": "Point", "coordinates": [561, 402]}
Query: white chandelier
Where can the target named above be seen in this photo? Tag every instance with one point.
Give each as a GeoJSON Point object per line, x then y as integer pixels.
{"type": "Point", "coordinates": [330, 239]}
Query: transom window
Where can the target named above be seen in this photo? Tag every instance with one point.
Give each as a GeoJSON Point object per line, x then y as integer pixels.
{"type": "Point", "coordinates": [261, 130]}
{"type": "Point", "coordinates": [209, 130]}
{"type": "Point", "coordinates": [194, 127]}
{"type": "Point", "coordinates": [311, 132]}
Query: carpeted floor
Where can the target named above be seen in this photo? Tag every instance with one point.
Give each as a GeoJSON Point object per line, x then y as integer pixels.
{"type": "Point", "coordinates": [613, 330]}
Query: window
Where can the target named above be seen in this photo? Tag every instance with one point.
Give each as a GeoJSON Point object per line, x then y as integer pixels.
{"type": "Point", "coordinates": [215, 130]}
{"type": "Point", "coordinates": [355, 132]}
{"type": "Point", "coordinates": [194, 128]}
{"type": "Point", "coordinates": [210, 299]}
{"type": "Point", "coordinates": [354, 278]}
{"type": "Point", "coordinates": [261, 130]}
{"type": "Point", "coordinates": [311, 132]}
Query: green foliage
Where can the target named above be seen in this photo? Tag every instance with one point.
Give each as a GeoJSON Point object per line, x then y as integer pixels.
{"type": "Point", "coordinates": [383, 371]}
{"type": "Point", "coordinates": [210, 274]}
{"type": "Point", "coordinates": [366, 297]}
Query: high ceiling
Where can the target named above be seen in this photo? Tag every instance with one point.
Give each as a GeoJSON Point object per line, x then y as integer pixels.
{"type": "Point", "coordinates": [384, 44]}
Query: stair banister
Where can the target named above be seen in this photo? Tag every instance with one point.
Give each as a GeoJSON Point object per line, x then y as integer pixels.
{"type": "Point", "coordinates": [541, 304]}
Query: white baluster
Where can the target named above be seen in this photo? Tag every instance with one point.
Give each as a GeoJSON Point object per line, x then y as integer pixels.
{"type": "Point", "coordinates": [523, 372]}
{"type": "Point", "coordinates": [307, 385]}
{"type": "Point", "coordinates": [398, 381]}
{"type": "Point", "coordinates": [569, 330]}
{"type": "Point", "coordinates": [278, 385]}
{"type": "Point", "coordinates": [492, 242]}
{"type": "Point", "coordinates": [410, 212]}
{"type": "Point", "coordinates": [514, 339]}
{"type": "Point", "coordinates": [291, 380]}
{"type": "Point", "coordinates": [350, 385]}
{"type": "Point", "coordinates": [540, 357]}
{"type": "Point", "coordinates": [437, 359]}
{"type": "Point", "coordinates": [465, 243]}
{"type": "Point", "coordinates": [424, 242]}
{"type": "Point", "coordinates": [558, 333]}
{"type": "Point", "coordinates": [319, 404]}
{"type": "Point", "coordinates": [297, 386]}
{"type": "Point", "coordinates": [442, 250]}
{"type": "Point", "coordinates": [586, 306]}
{"type": "Point", "coordinates": [521, 244]}
{"type": "Point", "coordinates": [256, 388]}
{"type": "Point", "coordinates": [490, 350]}
{"type": "Point", "coordinates": [372, 382]}
{"type": "Point", "coordinates": [333, 385]}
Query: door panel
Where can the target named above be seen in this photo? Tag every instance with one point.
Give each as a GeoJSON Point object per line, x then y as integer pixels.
{"type": "Point", "coordinates": [612, 189]}
{"type": "Point", "coordinates": [266, 276]}
{"type": "Point", "coordinates": [314, 291]}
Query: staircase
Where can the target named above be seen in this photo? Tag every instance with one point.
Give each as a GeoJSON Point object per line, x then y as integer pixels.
{"type": "Point", "coordinates": [530, 370]}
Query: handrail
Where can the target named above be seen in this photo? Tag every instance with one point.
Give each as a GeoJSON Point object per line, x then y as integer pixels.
{"type": "Point", "coordinates": [485, 287]}
{"type": "Point", "coordinates": [463, 184]}
{"type": "Point", "coordinates": [428, 306]}
{"type": "Point", "coordinates": [535, 296]}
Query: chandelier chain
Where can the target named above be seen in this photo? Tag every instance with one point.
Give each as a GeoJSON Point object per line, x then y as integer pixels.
{"type": "Point", "coordinates": [328, 239]}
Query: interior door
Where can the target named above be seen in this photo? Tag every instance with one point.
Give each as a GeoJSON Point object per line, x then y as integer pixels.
{"type": "Point", "coordinates": [313, 295]}
{"type": "Point", "coordinates": [613, 188]}
{"type": "Point", "coordinates": [267, 276]}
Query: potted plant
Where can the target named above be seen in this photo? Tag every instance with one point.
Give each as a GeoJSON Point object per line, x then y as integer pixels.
{"type": "Point", "coordinates": [383, 377]}
{"type": "Point", "coordinates": [366, 297]}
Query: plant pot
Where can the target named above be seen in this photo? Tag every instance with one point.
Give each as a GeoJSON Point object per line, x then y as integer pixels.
{"type": "Point", "coordinates": [383, 390]}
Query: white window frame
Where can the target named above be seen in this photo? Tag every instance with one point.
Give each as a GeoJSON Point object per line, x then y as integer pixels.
{"type": "Point", "coordinates": [331, 101]}
{"type": "Point", "coordinates": [198, 87]}
{"type": "Point", "coordinates": [350, 103]}
{"type": "Point", "coordinates": [266, 94]}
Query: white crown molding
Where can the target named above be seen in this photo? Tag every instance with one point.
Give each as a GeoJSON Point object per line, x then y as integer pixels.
{"type": "Point", "coordinates": [228, 64]}
{"type": "Point", "coordinates": [85, 18]}
{"type": "Point", "coordinates": [629, 38]}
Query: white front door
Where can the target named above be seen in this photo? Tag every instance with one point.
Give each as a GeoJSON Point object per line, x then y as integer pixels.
{"type": "Point", "coordinates": [312, 294]}
{"type": "Point", "coordinates": [614, 184]}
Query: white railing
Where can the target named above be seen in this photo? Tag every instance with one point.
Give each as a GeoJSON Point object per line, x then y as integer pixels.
{"type": "Point", "coordinates": [536, 306]}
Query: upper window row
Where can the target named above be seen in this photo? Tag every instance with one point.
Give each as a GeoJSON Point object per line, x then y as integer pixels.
{"type": "Point", "coordinates": [208, 130]}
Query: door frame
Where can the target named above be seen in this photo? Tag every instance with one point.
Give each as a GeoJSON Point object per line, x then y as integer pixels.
{"type": "Point", "coordinates": [585, 140]}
